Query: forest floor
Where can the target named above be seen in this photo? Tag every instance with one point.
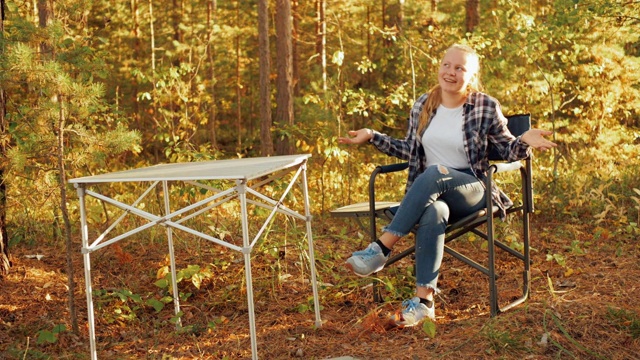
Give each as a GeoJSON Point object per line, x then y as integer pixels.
{"type": "Point", "coordinates": [583, 303]}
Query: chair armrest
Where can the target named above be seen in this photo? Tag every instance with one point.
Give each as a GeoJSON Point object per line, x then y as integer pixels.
{"type": "Point", "coordinates": [504, 167]}
{"type": "Point", "coordinates": [383, 169]}
{"type": "Point", "coordinates": [525, 171]}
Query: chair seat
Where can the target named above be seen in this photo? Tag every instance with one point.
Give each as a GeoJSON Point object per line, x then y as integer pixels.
{"type": "Point", "coordinates": [362, 209]}
{"type": "Point", "coordinates": [383, 210]}
{"type": "Point", "coordinates": [470, 219]}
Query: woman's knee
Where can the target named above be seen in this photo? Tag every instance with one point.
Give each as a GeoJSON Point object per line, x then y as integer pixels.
{"type": "Point", "coordinates": [435, 214]}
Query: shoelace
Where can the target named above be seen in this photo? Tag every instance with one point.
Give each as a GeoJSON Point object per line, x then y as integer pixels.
{"type": "Point", "coordinates": [367, 251]}
{"type": "Point", "coordinates": [409, 306]}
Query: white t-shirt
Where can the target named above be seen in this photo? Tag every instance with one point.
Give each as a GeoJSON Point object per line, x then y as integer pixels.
{"type": "Point", "coordinates": [443, 141]}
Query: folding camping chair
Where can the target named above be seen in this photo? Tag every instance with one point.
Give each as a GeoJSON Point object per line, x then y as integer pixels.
{"type": "Point", "coordinates": [474, 223]}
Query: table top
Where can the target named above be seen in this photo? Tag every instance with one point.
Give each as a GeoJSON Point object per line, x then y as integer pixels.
{"type": "Point", "coordinates": [230, 169]}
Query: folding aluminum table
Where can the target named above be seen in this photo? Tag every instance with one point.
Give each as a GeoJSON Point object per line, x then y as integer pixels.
{"type": "Point", "coordinates": [247, 174]}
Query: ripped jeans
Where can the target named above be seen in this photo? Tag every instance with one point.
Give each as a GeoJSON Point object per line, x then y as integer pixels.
{"type": "Point", "coordinates": [437, 195]}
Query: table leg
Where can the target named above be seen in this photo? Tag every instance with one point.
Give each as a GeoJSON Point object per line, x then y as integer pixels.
{"type": "Point", "coordinates": [312, 258]}
{"type": "Point", "coordinates": [87, 271]}
{"type": "Point", "coordinates": [246, 250]}
{"type": "Point", "coordinates": [172, 257]}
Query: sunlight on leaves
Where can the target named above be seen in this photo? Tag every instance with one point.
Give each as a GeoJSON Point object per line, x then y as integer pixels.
{"type": "Point", "coordinates": [338, 58]}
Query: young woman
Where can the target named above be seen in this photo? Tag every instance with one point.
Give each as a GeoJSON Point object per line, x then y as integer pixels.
{"type": "Point", "coordinates": [446, 143]}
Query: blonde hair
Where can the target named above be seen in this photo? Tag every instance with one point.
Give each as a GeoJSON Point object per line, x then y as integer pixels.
{"type": "Point", "coordinates": [435, 93]}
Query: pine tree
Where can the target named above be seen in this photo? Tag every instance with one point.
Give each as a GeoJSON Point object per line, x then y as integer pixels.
{"type": "Point", "coordinates": [62, 124]}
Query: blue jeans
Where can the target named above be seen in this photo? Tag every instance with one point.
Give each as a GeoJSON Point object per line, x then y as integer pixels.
{"type": "Point", "coordinates": [438, 194]}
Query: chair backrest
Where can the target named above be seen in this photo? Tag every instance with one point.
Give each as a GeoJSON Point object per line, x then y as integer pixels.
{"type": "Point", "coordinates": [518, 124]}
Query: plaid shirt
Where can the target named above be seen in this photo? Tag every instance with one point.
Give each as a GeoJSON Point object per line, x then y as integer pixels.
{"type": "Point", "coordinates": [484, 123]}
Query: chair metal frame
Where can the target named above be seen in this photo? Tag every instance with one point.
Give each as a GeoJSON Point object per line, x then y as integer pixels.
{"type": "Point", "coordinates": [517, 124]}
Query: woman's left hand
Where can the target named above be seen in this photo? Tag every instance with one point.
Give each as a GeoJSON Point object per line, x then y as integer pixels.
{"type": "Point", "coordinates": [535, 139]}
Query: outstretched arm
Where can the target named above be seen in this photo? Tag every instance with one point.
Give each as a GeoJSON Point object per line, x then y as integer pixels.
{"type": "Point", "coordinates": [357, 137]}
{"type": "Point", "coordinates": [536, 139]}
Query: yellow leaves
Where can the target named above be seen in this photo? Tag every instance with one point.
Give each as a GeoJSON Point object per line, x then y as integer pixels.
{"type": "Point", "coordinates": [162, 272]}
{"type": "Point", "coordinates": [602, 215]}
{"type": "Point", "coordinates": [635, 199]}
{"type": "Point", "coordinates": [613, 210]}
{"type": "Point", "coordinates": [568, 272]}
{"type": "Point", "coordinates": [304, 146]}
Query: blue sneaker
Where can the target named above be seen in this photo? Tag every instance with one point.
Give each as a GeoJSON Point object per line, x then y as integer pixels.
{"type": "Point", "coordinates": [366, 262]}
{"type": "Point", "coordinates": [413, 312]}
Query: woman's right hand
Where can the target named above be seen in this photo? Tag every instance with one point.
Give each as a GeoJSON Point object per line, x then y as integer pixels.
{"type": "Point", "coordinates": [357, 137]}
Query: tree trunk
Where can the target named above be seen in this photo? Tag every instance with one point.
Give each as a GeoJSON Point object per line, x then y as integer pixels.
{"type": "Point", "coordinates": [5, 262]}
{"type": "Point", "coordinates": [134, 55]}
{"type": "Point", "coordinates": [266, 142]}
{"type": "Point", "coordinates": [473, 15]}
{"type": "Point", "coordinates": [154, 97]}
{"type": "Point", "coordinates": [400, 17]}
{"type": "Point", "coordinates": [384, 17]}
{"type": "Point", "coordinates": [44, 12]}
{"type": "Point", "coordinates": [47, 52]}
{"type": "Point", "coordinates": [385, 26]}
{"type": "Point", "coordinates": [176, 16]}
{"type": "Point", "coordinates": [238, 82]}
{"type": "Point", "coordinates": [369, 50]}
{"type": "Point", "coordinates": [294, 47]}
{"type": "Point", "coordinates": [321, 39]}
{"type": "Point", "coordinates": [152, 38]}
{"type": "Point", "coordinates": [212, 8]}
{"type": "Point", "coordinates": [284, 84]}
{"type": "Point", "coordinates": [62, 178]}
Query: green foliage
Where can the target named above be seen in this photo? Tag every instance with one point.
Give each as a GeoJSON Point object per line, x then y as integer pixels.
{"type": "Point", "coordinates": [306, 307]}
{"type": "Point", "coordinates": [122, 305]}
{"type": "Point", "coordinates": [193, 273]}
{"type": "Point", "coordinates": [158, 305]}
{"type": "Point", "coordinates": [399, 283]}
{"type": "Point", "coordinates": [50, 336]}
{"type": "Point", "coordinates": [625, 320]}
{"type": "Point", "coordinates": [51, 75]}
{"type": "Point", "coordinates": [429, 328]}
{"type": "Point", "coordinates": [119, 305]}
{"type": "Point", "coordinates": [175, 319]}
{"type": "Point", "coordinates": [558, 258]}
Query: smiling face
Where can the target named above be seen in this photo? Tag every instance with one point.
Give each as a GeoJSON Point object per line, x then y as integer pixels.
{"type": "Point", "coordinates": [458, 71]}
